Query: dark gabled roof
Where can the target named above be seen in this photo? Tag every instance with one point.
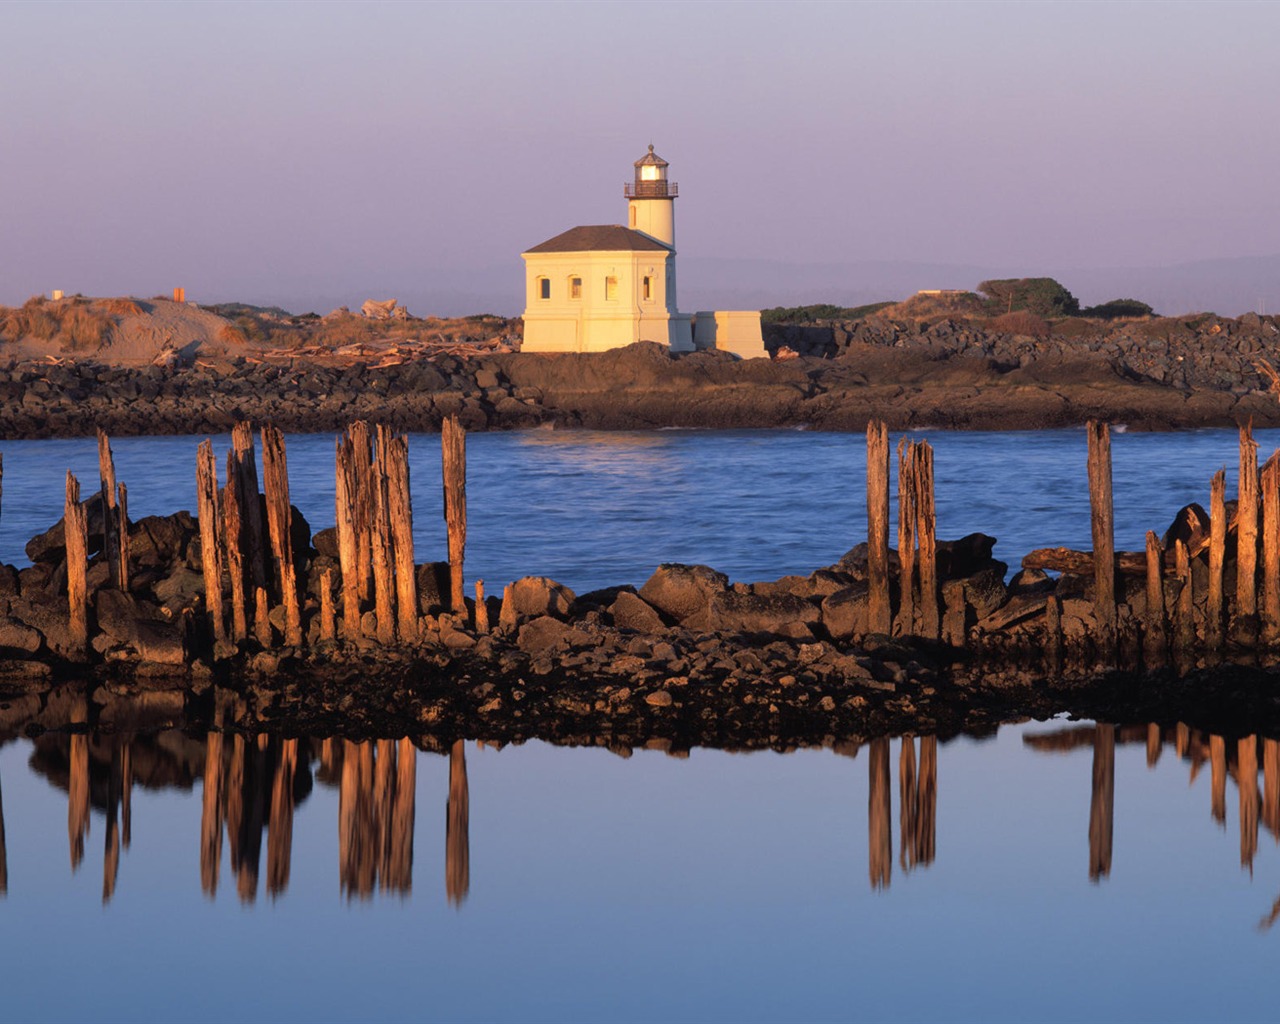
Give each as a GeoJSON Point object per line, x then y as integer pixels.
{"type": "Point", "coordinates": [601, 238]}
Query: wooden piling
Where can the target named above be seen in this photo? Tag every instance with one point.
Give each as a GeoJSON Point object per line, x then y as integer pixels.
{"type": "Point", "coordinates": [926, 535]}
{"type": "Point", "coordinates": [482, 610]}
{"type": "Point", "coordinates": [1155, 632]}
{"type": "Point", "coordinates": [1218, 778]}
{"type": "Point", "coordinates": [1186, 623]}
{"type": "Point", "coordinates": [879, 612]}
{"type": "Point", "coordinates": [507, 613]}
{"type": "Point", "coordinates": [348, 541]}
{"type": "Point", "coordinates": [107, 488]}
{"type": "Point", "coordinates": [1247, 783]}
{"type": "Point", "coordinates": [401, 515]}
{"type": "Point", "coordinates": [363, 498]}
{"type": "Point", "coordinates": [1053, 633]}
{"type": "Point", "coordinates": [1102, 520]}
{"type": "Point", "coordinates": [1102, 803]}
{"type": "Point", "coordinates": [328, 628]}
{"type": "Point", "coordinates": [233, 537]}
{"type": "Point", "coordinates": [275, 482]}
{"type": "Point", "coordinates": [453, 447]}
{"type": "Point", "coordinates": [907, 521]}
{"type": "Point", "coordinates": [210, 549]}
{"type": "Point", "coordinates": [383, 564]}
{"type": "Point", "coordinates": [122, 503]}
{"type": "Point", "coordinates": [1217, 559]}
{"type": "Point", "coordinates": [879, 821]}
{"type": "Point", "coordinates": [1270, 485]}
{"type": "Point", "coordinates": [254, 534]}
{"type": "Point", "coordinates": [262, 617]}
{"type": "Point", "coordinates": [1247, 536]}
{"type": "Point", "coordinates": [76, 533]}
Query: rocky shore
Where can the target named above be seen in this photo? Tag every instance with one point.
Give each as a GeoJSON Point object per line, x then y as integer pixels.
{"type": "Point", "coordinates": [1157, 374]}
{"type": "Point", "coordinates": [688, 659]}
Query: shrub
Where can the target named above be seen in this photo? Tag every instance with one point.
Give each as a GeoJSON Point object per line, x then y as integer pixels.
{"type": "Point", "coordinates": [819, 311]}
{"type": "Point", "coordinates": [1117, 308]}
{"type": "Point", "coordinates": [1042, 296]}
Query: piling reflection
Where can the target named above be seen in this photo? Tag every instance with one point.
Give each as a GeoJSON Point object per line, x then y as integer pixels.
{"type": "Point", "coordinates": [375, 816]}
{"type": "Point", "coordinates": [457, 868]}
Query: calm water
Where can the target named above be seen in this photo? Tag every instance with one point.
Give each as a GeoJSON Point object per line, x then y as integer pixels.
{"type": "Point", "coordinates": [1053, 871]}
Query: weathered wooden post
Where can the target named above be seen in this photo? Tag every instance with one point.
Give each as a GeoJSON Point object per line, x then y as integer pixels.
{"type": "Point", "coordinates": [907, 521]}
{"type": "Point", "coordinates": [210, 551]}
{"type": "Point", "coordinates": [363, 495]}
{"type": "Point", "coordinates": [507, 613]}
{"type": "Point", "coordinates": [253, 531]}
{"type": "Point", "coordinates": [1217, 559]}
{"type": "Point", "coordinates": [328, 628]}
{"type": "Point", "coordinates": [348, 541]}
{"type": "Point", "coordinates": [275, 480]}
{"type": "Point", "coordinates": [383, 584]}
{"type": "Point", "coordinates": [1186, 627]}
{"type": "Point", "coordinates": [1102, 520]}
{"type": "Point", "coordinates": [1155, 636]}
{"type": "Point", "coordinates": [76, 534]}
{"type": "Point", "coordinates": [401, 512]}
{"type": "Point", "coordinates": [233, 533]}
{"type": "Point", "coordinates": [1053, 633]}
{"type": "Point", "coordinates": [453, 446]}
{"type": "Point", "coordinates": [122, 501]}
{"type": "Point", "coordinates": [107, 488]}
{"type": "Point", "coordinates": [1270, 481]}
{"type": "Point", "coordinates": [1247, 538]}
{"type": "Point", "coordinates": [879, 612]}
{"type": "Point", "coordinates": [482, 610]}
{"type": "Point", "coordinates": [926, 534]}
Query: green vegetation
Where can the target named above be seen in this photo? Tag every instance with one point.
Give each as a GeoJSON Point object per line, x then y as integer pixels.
{"type": "Point", "coordinates": [1042, 296]}
{"type": "Point", "coordinates": [1118, 308]}
{"type": "Point", "coordinates": [820, 311]}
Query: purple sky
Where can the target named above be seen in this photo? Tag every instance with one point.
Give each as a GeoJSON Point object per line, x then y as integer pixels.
{"type": "Point", "coordinates": [317, 154]}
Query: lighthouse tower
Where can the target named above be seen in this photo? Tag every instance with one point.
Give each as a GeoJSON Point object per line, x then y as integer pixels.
{"type": "Point", "coordinates": [651, 205]}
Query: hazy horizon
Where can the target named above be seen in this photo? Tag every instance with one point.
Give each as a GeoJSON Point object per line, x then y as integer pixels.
{"type": "Point", "coordinates": [310, 156]}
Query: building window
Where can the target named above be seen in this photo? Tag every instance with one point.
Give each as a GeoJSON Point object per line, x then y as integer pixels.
{"type": "Point", "coordinates": [610, 289]}
{"type": "Point", "coordinates": [544, 287]}
{"type": "Point", "coordinates": [575, 287]}
{"type": "Point", "coordinates": [633, 215]}
{"type": "Point", "coordinates": [648, 288]}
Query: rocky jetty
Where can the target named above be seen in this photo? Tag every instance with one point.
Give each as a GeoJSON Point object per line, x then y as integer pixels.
{"type": "Point", "coordinates": [1151, 374]}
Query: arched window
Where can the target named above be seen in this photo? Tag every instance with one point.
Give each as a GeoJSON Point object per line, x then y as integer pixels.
{"type": "Point", "coordinates": [648, 288]}
{"type": "Point", "coordinates": [544, 287]}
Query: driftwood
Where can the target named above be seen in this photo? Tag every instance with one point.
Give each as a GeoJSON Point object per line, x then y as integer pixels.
{"type": "Point", "coordinates": [1080, 563]}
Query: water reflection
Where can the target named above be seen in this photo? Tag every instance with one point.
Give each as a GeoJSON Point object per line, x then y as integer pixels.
{"type": "Point", "coordinates": [252, 788]}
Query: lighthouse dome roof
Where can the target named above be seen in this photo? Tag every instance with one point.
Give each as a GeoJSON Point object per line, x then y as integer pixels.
{"type": "Point", "coordinates": [651, 159]}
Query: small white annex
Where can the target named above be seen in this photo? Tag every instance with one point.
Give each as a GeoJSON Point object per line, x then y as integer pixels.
{"type": "Point", "coordinates": [598, 287]}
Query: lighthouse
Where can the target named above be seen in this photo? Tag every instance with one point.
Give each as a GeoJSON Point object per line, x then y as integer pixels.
{"type": "Point", "coordinates": [602, 286]}
{"type": "Point", "coordinates": [651, 199]}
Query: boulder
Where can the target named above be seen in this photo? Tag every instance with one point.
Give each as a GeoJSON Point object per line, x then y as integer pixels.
{"type": "Point", "coordinates": [540, 634]}
{"type": "Point", "coordinates": [630, 611]}
{"type": "Point", "coordinates": [684, 592]}
{"type": "Point", "coordinates": [326, 542]}
{"type": "Point", "coordinates": [51, 546]}
{"type": "Point", "coordinates": [182, 588]}
{"type": "Point", "coordinates": [761, 613]}
{"type": "Point", "coordinates": [536, 595]}
{"type": "Point", "coordinates": [964, 557]}
{"type": "Point", "coordinates": [161, 541]}
{"type": "Point", "coordinates": [19, 638]}
{"type": "Point", "coordinates": [844, 613]}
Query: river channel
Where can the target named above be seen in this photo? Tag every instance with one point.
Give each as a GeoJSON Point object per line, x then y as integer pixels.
{"type": "Point", "coordinates": [1046, 871]}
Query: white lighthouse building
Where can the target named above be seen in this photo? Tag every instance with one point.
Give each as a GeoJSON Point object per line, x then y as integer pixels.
{"type": "Point", "coordinates": [598, 287]}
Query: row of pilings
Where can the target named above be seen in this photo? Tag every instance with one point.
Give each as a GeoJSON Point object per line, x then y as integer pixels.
{"type": "Point", "coordinates": [1212, 581]}
{"type": "Point", "coordinates": [251, 584]}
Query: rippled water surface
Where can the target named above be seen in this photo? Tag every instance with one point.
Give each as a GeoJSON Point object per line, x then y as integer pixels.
{"type": "Point", "coordinates": [1051, 871]}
